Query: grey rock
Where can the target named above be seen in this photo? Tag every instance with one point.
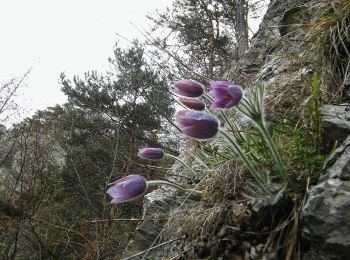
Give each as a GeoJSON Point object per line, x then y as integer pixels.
{"type": "Point", "coordinates": [336, 121]}
{"type": "Point", "coordinates": [290, 21]}
{"type": "Point", "coordinates": [277, 60]}
{"type": "Point", "coordinates": [18, 159]}
{"type": "Point", "coordinates": [326, 214]}
{"type": "Point", "coordinates": [346, 89]}
{"type": "Point", "coordinates": [267, 40]}
{"type": "Point", "coordinates": [146, 235]}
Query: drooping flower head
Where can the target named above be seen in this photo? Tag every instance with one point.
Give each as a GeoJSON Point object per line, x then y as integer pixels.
{"type": "Point", "coordinates": [192, 103]}
{"type": "Point", "coordinates": [128, 188]}
{"type": "Point", "coordinates": [198, 125]}
{"type": "Point", "coordinates": [187, 88]}
{"type": "Point", "coordinates": [225, 94]}
{"type": "Point", "coordinates": [153, 154]}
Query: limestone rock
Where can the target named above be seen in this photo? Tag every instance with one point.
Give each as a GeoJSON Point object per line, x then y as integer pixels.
{"type": "Point", "coordinates": [278, 61]}
{"type": "Point", "coordinates": [346, 90]}
{"type": "Point", "coordinates": [336, 121]}
{"type": "Point", "coordinates": [156, 203]}
{"type": "Point", "coordinates": [268, 38]}
{"type": "Point", "coordinates": [326, 226]}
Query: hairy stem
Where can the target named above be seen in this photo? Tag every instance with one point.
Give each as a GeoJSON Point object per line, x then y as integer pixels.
{"type": "Point", "coordinates": [274, 153]}
{"type": "Point", "coordinates": [172, 184]}
{"type": "Point", "coordinates": [180, 161]}
{"type": "Point", "coordinates": [247, 162]}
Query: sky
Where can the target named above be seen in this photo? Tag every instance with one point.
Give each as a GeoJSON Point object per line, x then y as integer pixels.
{"type": "Point", "coordinates": [71, 36]}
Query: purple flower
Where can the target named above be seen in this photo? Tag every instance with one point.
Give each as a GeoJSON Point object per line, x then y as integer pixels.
{"type": "Point", "coordinates": [128, 188]}
{"type": "Point", "coordinates": [192, 103]}
{"type": "Point", "coordinates": [153, 154]}
{"type": "Point", "coordinates": [187, 88]}
{"type": "Point", "coordinates": [225, 94]}
{"type": "Point", "coordinates": [197, 125]}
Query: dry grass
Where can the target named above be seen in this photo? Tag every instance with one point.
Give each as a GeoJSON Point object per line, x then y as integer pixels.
{"type": "Point", "coordinates": [220, 186]}
{"type": "Point", "coordinates": [227, 181]}
{"type": "Point", "coordinates": [331, 34]}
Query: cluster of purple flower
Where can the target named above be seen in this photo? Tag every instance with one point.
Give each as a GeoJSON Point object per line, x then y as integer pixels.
{"type": "Point", "coordinates": [196, 124]}
{"type": "Point", "coordinates": [192, 122]}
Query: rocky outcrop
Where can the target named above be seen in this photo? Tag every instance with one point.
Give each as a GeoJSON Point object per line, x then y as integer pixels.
{"type": "Point", "coordinates": [326, 226]}
{"type": "Point", "coordinates": [267, 41]}
{"type": "Point", "coordinates": [147, 242]}
{"type": "Point", "coordinates": [156, 203]}
{"type": "Point", "coordinates": [282, 64]}
{"type": "Point", "coordinates": [278, 60]}
{"type": "Point", "coordinates": [336, 122]}
{"type": "Point", "coordinates": [18, 157]}
{"type": "Point", "coordinates": [326, 229]}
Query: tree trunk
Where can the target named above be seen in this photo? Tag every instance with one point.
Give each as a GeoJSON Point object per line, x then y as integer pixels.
{"type": "Point", "coordinates": [241, 27]}
{"type": "Point", "coordinates": [132, 149]}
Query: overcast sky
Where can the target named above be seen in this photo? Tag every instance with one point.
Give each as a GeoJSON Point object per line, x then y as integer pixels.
{"type": "Point", "coordinates": [71, 36]}
{"type": "Point", "coordinates": [54, 36]}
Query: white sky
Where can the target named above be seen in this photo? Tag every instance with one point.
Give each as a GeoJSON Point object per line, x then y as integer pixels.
{"type": "Point", "coordinates": [71, 36]}
{"type": "Point", "coordinates": [74, 36]}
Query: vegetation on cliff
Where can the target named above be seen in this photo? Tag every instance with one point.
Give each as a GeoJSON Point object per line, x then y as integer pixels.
{"type": "Point", "coordinates": [256, 139]}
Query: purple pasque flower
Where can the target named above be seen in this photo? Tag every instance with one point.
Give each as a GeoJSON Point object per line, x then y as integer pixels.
{"type": "Point", "coordinates": [198, 125]}
{"type": "Point", "coordinates": [153, 154]}
{"type": "Point", "coordinates": [128, 188]}
{"type": "Point", "coordinates": [192, 103]}
{"type": "Point", "coordinates": [187, 88]}
{"type": "Point", "coordinates": [225, 94]}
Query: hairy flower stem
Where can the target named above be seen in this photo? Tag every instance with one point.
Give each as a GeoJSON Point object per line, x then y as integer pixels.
{"type": "Point", "coordinates": [247, 162]}
{"type": "Point", "coordinates": [172, 184]}
{"type": "Point", "coordinates": [274, 153]}
{"type": "Point", "coordinates": [180, 161]}
{"type": "Point", "coordinates": [233, 129]}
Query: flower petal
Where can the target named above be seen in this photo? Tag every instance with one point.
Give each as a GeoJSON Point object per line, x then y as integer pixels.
{"type": "Point", "coordinates": [192, 103]}
{"type": "Point", "coordinates": [128, 188]}
{"type": "Point", "coordinates": [188, 88]}
{"type": "Point", "coordinates": [153, 154]}
{"type": "Point", "coordinates": [197, 125]}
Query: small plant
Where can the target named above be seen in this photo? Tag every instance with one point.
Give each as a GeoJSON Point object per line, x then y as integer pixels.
{"type": "Point", "coordinates": [314, 109]}
{"type": "Point", "coordinates": [203, 126]}
{"type": "Point", "coordinates": [301, 151]}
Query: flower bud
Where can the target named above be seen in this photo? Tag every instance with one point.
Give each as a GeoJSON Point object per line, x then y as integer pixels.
{"type": "Point", "coordinates": [192, 103]}
{"type": "Point", "coordinates": [128, 188]}
{"type": "Point", "coordinates": [198, 125]}
{"type": "Point", "coordinates": [153, 154]}
{"type": "Point", "coordinates": [187, 88]}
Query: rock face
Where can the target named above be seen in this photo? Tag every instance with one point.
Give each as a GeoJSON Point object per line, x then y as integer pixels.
{"type": "Point", "coordinates": [336, 122]}
{"type": "Point", "coordinates": [267, 40]}
{"type": "Point", "coordinates": [157, 202]}
{"type": "Point", "coordinates": [17, 159]}
{"type": "Point", "coordinates": [277, 59]}
{"type": "Point", "coordinates": [326, 225]}
{"type": "Point", "coordinates": [326, 214]}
